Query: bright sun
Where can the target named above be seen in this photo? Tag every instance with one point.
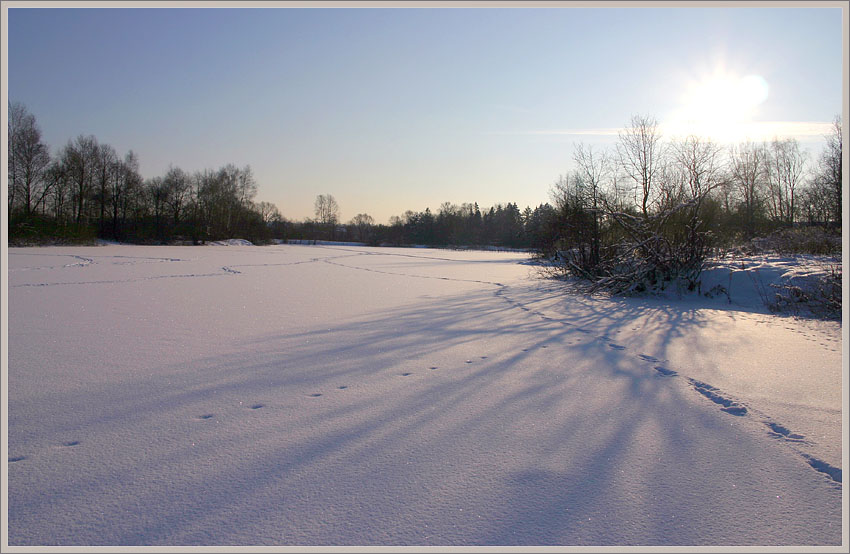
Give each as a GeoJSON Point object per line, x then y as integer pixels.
{"type": "Point", "coordinates": [720, 107]}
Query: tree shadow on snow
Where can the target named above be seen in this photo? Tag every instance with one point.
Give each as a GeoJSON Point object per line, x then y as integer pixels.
{"type": "Point", "coordinates": [410, 455]}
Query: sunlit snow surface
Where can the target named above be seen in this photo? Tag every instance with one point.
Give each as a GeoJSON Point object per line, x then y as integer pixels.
{"type": "Point", "coordinates": [321, 395]}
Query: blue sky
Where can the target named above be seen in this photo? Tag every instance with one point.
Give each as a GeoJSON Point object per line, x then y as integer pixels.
{"type": "Point", "coordinates": [404, 108]}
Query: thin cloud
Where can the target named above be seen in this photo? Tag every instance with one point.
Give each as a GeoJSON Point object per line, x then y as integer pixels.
{"type": "Point", "coordinates": [754, 131]}
{"type": "Point", "coordinates": [757, 130]}
{"type": "Point", "coordinates": [790, 128]}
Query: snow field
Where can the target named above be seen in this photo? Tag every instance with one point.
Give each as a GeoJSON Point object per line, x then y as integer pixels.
{"type": "Point", "coordinates": [303, 395]}
{"type": "Point", "coordinates": [784, 369]}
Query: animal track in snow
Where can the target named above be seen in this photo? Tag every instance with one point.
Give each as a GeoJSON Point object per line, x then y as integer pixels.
{"type": "Point", "coordinates": [701, 385]}
{"type": "Point", "coordinates": [833, 473]}
{"type": "Point", "coordinates": [710, 392]}
{"type": "Point", "coordinates": [84, 262]}
{"type": "Point", "coordinates": [780, 432]}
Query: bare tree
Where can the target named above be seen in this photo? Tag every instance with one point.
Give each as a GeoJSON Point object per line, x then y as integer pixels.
{"type": "Point", "coordinates": [17, 112]}
{"type": "Point", "coordinates": [815, 204]}
{"type": "Point", "coordinates": [56, 202]}
{"type": "Point", "coordinates": [327, 212]}
{"type": "Point", "coordinates": [28, 161]}
{"type": "Point", "coordinates": [665, 241]}
{"type": "Point", "coordinates": [157, 193]}
{"type": "Point", "coordinates": [747, 162]}
{"type": "Point", "coordinates": [197, 208]}
{"type": "Point", "coordinates": [125, 183]}
{"type": "Point", "coordinates": [105, 159]}
{"type": "Point", "coordinates": [269, 212]}
{"type": "Point", "coordinates": [641, 156]}
{"type": "Point", "coordinates": [828, 176]}
{"type": "Point", "coordinates": [672, 187]}
{"type": "Point", "coordinates": [700, 171]}
{"type": "Point", "coordinates": [246, 186]}
{"type": "Point", "coordinates": [362, 223]}
{"type": "Point", "coordinates": [593, 171]}
{"type": "Point", "coordinates": [784, 169]}
{"type": "Point", "coordinates": [702, 162]}
{"type": "Point", "coordinates": [79, 158]}
{"type": "Point", "coordinates": [176, 181]}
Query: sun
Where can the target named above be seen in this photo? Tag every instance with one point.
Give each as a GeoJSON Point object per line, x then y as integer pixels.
{"type": "Point", "coordinates": [721, 106]}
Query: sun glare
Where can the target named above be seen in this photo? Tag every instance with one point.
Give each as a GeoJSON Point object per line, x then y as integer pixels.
{"type": "Point", "coordinates": [721, 107]}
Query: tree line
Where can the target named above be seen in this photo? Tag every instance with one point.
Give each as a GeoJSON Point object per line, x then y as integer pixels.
{"type": "Point", "coordinates": [89, 190]}
{"type": "Point", "coordinates": [646, 194]}
{"type": "Point", "coordinates": [453, 225]}
{"type": "Point", "coordinates": [721, 196]}
{"type": "Point", "coordinates": [649, 212]}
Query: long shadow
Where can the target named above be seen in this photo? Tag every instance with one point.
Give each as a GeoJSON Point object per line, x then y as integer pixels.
{"type": "Point", "coordinates": [665, 323]}
{"type": "Point", "coordinates": [592, 404]}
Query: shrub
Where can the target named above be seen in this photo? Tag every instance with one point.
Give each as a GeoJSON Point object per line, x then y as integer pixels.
{"type": "Point", "coordinates": [640, 253]}
{"type": "Point", "coordinates": [799, 240]}
{"type": "Point", "coordinates": [40, 230]}
{"type": "Point", "coordinates": [818, 294]}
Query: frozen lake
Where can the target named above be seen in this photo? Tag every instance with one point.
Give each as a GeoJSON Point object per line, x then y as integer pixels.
{"type": "Point", "coordinates": [326, 395]}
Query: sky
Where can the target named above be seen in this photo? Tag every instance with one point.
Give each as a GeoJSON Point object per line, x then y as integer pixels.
{"type": "Point", "coordinates": [402, 108]}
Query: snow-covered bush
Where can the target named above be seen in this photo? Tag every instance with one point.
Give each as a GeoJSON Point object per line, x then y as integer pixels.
{"type": "Point", "coordinates": [817, 292]}
{"type": "Point", "coordinates": [640, 254]}
{"type": "Point", "coordinates": [801, 285]}
{"type": "Point", "coordinates": [814, 289]}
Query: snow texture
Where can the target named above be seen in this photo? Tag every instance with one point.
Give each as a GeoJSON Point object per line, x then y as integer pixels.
{"type": "Point", "coordinates": [750, 281]}
{"type": "Point", "coordinates": [318, 395]}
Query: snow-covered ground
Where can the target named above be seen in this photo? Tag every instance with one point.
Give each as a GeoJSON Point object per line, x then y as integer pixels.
{"type": "Point", "coordinates": [328, 395]}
